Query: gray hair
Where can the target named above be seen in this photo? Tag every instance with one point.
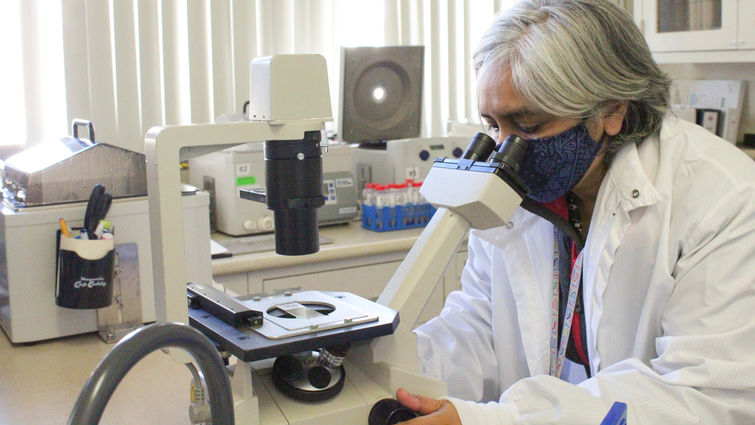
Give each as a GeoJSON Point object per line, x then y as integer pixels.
{"type": "Point", "coordinates": [579, 59]}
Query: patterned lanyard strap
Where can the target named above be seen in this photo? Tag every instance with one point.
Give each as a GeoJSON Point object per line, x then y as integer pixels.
{"type": "Point", "coordinates": [558, 351]}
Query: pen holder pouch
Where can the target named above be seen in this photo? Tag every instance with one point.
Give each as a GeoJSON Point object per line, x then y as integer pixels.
{"type": "Point", "coordinates": [84, 273]}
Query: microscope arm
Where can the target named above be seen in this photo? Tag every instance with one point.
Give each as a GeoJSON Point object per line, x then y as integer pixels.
{"type": "Point", "coordinates": [165, 147]}
{"type": "Point", "coordinates": [465, 199]}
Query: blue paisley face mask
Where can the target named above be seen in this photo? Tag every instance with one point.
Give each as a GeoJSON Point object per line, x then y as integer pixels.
{"type": "Point", "coordinates": [554, 165]}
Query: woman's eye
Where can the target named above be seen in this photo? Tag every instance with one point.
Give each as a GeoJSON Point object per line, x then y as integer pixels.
{"type": "Point", "coordinates": [529, 129]}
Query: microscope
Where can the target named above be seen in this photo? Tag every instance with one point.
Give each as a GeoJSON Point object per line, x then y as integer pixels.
{"type": "Point", "coordinates": [289, 105]}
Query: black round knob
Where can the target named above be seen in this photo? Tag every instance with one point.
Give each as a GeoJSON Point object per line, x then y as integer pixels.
{"type": "Point", "coordinates": [319, 377]}
{"type": "Point", "coordinates": [423, 155]}
{"type": "Point", "coordinates": [388, 412]}
{"type": "Point", "coordinates": [288, 367]}
{"type": "Point", "coordinates": [457, 152]}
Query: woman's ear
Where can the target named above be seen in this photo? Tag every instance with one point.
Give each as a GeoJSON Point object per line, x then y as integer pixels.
{"type": "Point", "coordinates": [614, 117]}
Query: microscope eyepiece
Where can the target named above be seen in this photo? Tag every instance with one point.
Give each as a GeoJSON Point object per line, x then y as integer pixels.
{"type": "Point", "coordinates": [511, 152]}
{"type": "Point", "coordinates": [480, 147]}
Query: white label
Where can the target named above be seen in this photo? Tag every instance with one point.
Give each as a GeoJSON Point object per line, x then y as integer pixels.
{"type": "Point", "coordinates": [412, 172]}
{"type": "Point", "coordinates": [347, 210]}
{"type": "Point", "coordinates": [243, 169]}
{"type": "Point", "coordinates": [345, 182]}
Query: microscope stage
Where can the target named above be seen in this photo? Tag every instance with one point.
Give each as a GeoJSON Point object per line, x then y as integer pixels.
{"type": "Point", "coordinates": [251, 344]}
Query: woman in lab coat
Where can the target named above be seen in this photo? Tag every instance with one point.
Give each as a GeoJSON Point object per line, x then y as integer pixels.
{"type": "Point", "coordinates": [663, 317]}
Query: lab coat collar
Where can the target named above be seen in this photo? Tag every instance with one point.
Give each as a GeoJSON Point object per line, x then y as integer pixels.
{"type": "Point", "coordinates": [632, 173]}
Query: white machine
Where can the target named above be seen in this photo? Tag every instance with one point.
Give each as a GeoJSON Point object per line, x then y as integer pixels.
{"type": "Point", "coordinates": [28, 311]}
{"type": "Point", "coordinates": [290, 98]}
{"type": "Point", "coordinates": [401, 159]}
{"type": "Point", "coordinates": [224, 173]}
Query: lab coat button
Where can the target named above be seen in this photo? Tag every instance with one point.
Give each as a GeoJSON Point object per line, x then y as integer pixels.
{"type": "Point", "coordinates": [635, 193]}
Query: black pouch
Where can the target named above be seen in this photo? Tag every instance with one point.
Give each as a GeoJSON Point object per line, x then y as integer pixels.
{"type": "Point", "coordinates": [84, 272]}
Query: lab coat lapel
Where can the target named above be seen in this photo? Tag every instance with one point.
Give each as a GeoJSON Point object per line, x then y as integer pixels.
{"type": "Point", "coordinates": [529, 273]}
{"type": "Point", "coordinates": [627, 186]}
{"type": "Point", "coordinates": [600, 249]}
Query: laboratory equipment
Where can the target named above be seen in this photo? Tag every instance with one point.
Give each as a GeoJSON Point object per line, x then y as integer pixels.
{"type": "Point", "coordinates": [388, 412]}
{"type": "Point", "coordinates": [394, 206]}
{"type": "Point", "coordinates": [467, 193]}
{"type": "Point", "coordinates": [398, 160]}
{"type": "Point", "coordinates": [224, 173]}
{"type": "Point", "coordinates": [381, 110]}
{"type": "Point", "coordinates": [381, 93]}
{"type": "Point", "coordinates": [28, 311]}
{"type": "Point", "coordinates": [66, 170]}
{"type": "Point", "coordinates": [53, 181]}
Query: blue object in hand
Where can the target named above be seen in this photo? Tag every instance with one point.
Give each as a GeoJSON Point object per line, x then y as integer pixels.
{"type": "Point", "coordinates": [617, 415]}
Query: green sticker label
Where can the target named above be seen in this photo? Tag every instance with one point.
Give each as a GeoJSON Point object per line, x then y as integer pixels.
{"type": "Point", "coordinates": [245, 181]}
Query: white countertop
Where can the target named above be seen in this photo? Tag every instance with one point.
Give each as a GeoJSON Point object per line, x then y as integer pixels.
{"type": "Point", "coordinates": [349, 240]}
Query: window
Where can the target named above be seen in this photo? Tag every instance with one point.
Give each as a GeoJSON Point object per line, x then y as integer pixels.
{"type": "Point", "coordinates": [128, 65]}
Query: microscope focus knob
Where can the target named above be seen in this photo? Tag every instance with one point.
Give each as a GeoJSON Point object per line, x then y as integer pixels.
{"type": "Point", "coordinates": [389, 411]}
{"type": "Point", "coordinates": [266, 223]}
{"type": "Point", "coordinates": [249, 225]}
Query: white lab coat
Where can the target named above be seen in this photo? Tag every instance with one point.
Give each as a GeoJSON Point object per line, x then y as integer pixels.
{"type": "Point", "coordinates": [669, 287]}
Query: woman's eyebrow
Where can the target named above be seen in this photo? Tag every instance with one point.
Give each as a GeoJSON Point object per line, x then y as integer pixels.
{"type": "Point", "coordinates": [517, 113]}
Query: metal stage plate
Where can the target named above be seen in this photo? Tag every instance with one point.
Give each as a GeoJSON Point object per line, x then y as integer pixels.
{"type": "Point", "coordinates": [249, 345]}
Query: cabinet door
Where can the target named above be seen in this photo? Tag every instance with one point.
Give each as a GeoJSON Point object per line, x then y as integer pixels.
{"type": "Point", "coordinates": [746, 29]}
{"type": "Point", "coordinates": [366, 281]}
{"type": "Point", "coordinates": [690, 25]}
{"type": "Point", "coordinates": [236, 283]}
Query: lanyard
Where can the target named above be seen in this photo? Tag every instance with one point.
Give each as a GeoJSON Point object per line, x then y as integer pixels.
{"type": "Point", "coordinates": [558, 351]}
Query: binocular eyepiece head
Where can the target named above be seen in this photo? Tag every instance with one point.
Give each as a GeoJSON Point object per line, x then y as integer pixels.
{"type": "Point", "coordinates": [511, 152]}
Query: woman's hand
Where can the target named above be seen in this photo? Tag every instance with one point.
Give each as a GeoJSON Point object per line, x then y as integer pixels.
{"type": "Point", "coordinates": [435, 412]}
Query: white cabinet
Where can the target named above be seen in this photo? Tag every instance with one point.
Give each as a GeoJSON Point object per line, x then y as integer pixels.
{"type": "Point", "coordinates": [365, 276]}
{"type": "Point", "coordinates": [698, 30]}
{"type": "Point", "coordinates": [746, 24]}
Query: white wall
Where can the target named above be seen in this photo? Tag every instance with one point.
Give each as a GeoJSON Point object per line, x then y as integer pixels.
{"type": "Point", "coordinates": [723, 71]}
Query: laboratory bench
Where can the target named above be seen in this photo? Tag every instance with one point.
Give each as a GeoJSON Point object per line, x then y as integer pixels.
{"type": "Point", "coordinates": [39, 382]}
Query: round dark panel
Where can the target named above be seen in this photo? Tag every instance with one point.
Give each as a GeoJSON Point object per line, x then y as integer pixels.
{"type": "Point", "coordinates": [393, 83]}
